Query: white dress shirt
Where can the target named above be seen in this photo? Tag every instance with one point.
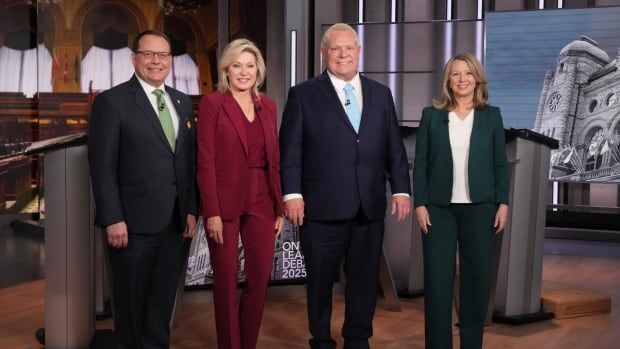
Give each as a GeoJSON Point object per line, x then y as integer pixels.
{"type": "Point", "coordinates": [148, 89]}
{"type": "Point", "coordinates": [339, 85]}
{"type": "Point", "coordinates": [460, 135]}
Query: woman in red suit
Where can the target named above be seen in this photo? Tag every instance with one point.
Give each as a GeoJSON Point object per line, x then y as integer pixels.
{"type": "Point", "coordinates": [239, 181]}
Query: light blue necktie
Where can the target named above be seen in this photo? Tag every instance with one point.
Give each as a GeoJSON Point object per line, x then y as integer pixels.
{"type": "Point", "coordinates": [352, 108]}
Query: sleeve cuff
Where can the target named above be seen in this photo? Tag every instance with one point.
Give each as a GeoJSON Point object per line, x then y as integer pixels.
{"type": "Point", "coordinates": [292, 196]}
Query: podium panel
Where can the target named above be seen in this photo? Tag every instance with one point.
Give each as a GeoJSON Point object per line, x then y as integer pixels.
{"type": "Point", "coordinates": [69, 246]}
{"type": "Point", "coordinates": [403, 247]}
{"type": "Point", "coordinates": [519, 269]}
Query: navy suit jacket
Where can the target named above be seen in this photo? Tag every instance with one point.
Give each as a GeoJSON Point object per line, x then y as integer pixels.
{"type": "Point", "coordinates": [487, 170]}
{"type": "Point", "coordinates": [336, 170]}
{"type": "Point", "coordinates": [136, 176]}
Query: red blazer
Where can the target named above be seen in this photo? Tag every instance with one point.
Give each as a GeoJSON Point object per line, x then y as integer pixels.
{"type": "Point", "coordinates": [222, 154]}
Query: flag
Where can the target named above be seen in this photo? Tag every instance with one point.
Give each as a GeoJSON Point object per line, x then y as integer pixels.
{"type": "Point", "coordinates": [568, 156]}
{"type": "Point", "coordinates": [605, 148]}
{"type": "Point", "coordinates": [576, 163]}
{"type": "Point", "coordinates": [55, 65]}
{"type": "Point", "coordinates": [65, 71]}
{"type": "Point", "coordinates": [555, 156]}
{"type": "Point", "coordinates": [615, 153]}
{"type": "Point", "coordinates": [593, 148]}
{"type": "Point", "coordinates": [76, 69]}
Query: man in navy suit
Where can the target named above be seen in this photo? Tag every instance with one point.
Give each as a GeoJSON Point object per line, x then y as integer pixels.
{"type": "Point", "coordinates": [142, 156]}
{"type": "Point", "coordinates": [339, 144]}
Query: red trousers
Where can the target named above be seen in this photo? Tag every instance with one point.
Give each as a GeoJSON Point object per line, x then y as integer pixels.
{"type": "Point", "coordinates": [237, 321]}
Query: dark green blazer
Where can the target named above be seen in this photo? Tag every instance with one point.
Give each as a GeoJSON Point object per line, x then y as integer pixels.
{"type": "Point", "coordinates": [487, 169]}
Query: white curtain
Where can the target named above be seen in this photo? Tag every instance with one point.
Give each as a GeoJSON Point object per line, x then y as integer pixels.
{"type": "Point", "coordinates": [10, 68]}
{"type": "Point", "coordinates": [184, 75]}
{"type": "Point", "coordinates": [20, 70]}
{"type": "Point", "coordinates": [29, 73]}
{"type": "Point", "coordinates": [122, 68]}
{"type": "Point", "coordinates": [95, 68]}
{"type": "Point", "coordinates": [105, 68]}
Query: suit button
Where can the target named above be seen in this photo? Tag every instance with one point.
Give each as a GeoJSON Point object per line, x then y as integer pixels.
{"type": "Point", "coordinates": [174, 183]}
{"type": "Point", "coordinates": [357, 140]}
{"type": "Point", "coordinates": [357, 163]}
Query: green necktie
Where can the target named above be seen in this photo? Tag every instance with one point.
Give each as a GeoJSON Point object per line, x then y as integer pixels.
{"type": "Point", "coordinates": [165, 118]}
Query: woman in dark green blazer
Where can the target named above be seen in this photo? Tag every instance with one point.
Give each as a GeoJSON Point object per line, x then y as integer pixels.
{"type": "Point", "coordinates": [460, 183]}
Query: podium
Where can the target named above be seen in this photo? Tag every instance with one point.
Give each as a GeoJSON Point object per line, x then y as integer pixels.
{"type": "Point", "coordinates": [403, 241]}
{"type": "Point", "coordinates": [69, 242]}
{"type": "Point", "coordinates": [403, 248]}
{"type": "Point", "coordinates": [519, 265]}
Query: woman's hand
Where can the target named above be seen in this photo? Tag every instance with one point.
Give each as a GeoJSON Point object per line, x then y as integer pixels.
{"type": "Point", "coordinates": [215, 229]}
{"type": "Point", "coordinates": [424, 219]}
{"type": "Point", "coordinates": [500, 218]}
{"type": "Point", "coordinates": [279, 225]}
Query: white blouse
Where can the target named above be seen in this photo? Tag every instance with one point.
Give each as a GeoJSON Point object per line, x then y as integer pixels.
{"type": "Point", "coordinates": [460, 134]}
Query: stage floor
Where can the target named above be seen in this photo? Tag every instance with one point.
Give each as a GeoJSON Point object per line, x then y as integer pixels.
{"type": "Point", "coordinates": [285, 325]}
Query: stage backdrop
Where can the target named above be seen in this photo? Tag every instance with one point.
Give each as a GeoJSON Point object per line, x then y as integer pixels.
{"type": "Point", "coordinates": [55, 56]}
{"type": "Point", "coordinates": [556, 72]}
{"type": "Point", "coordinates": [288, 262]}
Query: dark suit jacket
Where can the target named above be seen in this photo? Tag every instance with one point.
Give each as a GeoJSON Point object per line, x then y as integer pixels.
{"type": "Point", "coordinates": [487, 169]}
{"type": "Point", "coordinates": [335, 169]}
{"type": "Point", "coordinates": [223, 171]}
{"type": "Point", "coordinates": [135, 175]}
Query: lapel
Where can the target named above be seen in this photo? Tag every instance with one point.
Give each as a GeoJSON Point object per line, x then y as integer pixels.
{"type": "Point", "coordinates": [182, 112]}
{"type": "Point", "coordinates": [234, 113]}
{"type": "Point", "coordinates": [443, 122]}
{"type": "Point", "coordinates": [263, 116]}
{"type": "Point", "coordinates": [479, 116]}
{"type": "Point", "coordinates": [148, 112]}
{"type": "Point", "coordinates": [327, 88]}
{"type": "Point", "coordinates": [367, 101]}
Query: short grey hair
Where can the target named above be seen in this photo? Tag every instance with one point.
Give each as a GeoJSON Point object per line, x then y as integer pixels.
{"type": "Point", "coordinates": [338, 27]}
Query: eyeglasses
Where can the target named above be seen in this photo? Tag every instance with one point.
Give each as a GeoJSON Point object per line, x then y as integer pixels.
{"type": "Point", "coordinates": [151, 54]}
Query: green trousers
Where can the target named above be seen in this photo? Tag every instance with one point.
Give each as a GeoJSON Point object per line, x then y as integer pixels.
{"type": "Point", "coordinates": [470, 226]}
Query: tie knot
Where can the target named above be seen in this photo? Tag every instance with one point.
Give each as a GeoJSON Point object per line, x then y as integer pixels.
{"type": "Point", "coordinates": [348, 87]}
{"type": "Point", "coordinates": [158, 92]}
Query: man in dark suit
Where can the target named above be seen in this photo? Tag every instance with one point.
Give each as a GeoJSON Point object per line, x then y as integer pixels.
{"type": "Point", "coordinates": [142, 155]}
{"type": "Point", "coordinates": [339, 143]}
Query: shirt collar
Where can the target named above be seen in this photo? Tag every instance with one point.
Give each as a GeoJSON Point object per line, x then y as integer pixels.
{"type": "Point", "coordinates": [148, 88]}
{"type": "Point", "coordinates": [339, 83]}
{"type": "Point", "coordinates": [468, 119]}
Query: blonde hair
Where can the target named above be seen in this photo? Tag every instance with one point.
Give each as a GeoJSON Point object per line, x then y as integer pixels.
{"type": "Point", "coordinates": [481, 92]}
{"type": "Point", "coordinates": [230, 53]}
{"type": "Point", "coordinates": [338, 27]}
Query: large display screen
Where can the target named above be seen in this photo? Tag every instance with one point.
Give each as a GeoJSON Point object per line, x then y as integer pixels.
{"type": "Point", "coordinates": [556, 72]}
